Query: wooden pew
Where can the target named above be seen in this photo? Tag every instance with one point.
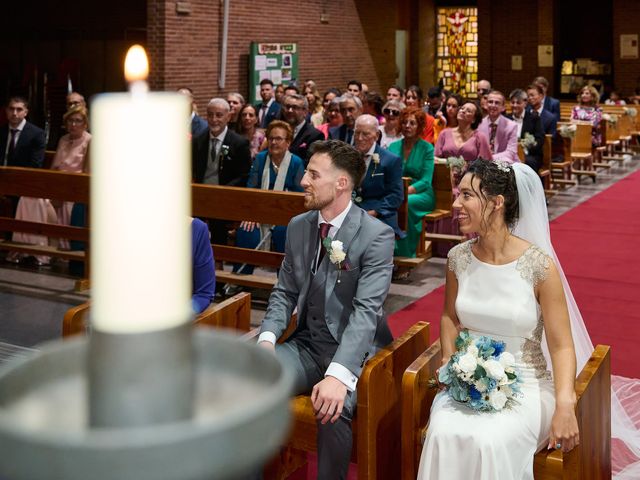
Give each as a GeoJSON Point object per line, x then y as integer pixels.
{"type": "Point", "coordinates": [234, 312]}
{"type": "Point", "coordinates": [443, 188]}
{"type": "Point", "coordinates": [544, 172]}
{"type": "Point", "coordinates": [422, 254]}
{"type": "Point", "coordinates": [590, 460]}
{"type": "Point", "coordinates": [376, 426]}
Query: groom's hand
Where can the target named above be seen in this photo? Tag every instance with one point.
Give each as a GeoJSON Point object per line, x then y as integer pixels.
{"type": "Point", "coordinates": [327, 398]}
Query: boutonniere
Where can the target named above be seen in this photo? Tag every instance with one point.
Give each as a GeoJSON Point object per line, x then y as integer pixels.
{"type": "Point", "coordinates": [376, 161]}
{"type": "Point", "coordinates": [337, 256]}
{"type": "Point", "coordinates": [224, 150]}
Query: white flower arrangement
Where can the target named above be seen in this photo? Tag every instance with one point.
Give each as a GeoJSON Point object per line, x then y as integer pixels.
{"type": "Point", "coordinates": [455, 162]}
{"type": "Point", "coordinates": [481, 374]}
{"type": "Point", "coordinates": [610, 118]}
{"type": "Point", "coordinates": [568, 130]}
{"type": "Point", "coordinates": [503, 165]}
{"type": "Point", "coordinates": [527, 142]}
{"type": "Point", "coordinates": [632, 112]}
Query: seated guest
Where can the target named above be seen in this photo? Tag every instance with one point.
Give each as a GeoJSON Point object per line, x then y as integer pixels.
{"type": "Point", "coordinates": [417, 156]}
{"type": "Point", "coordinates": [71, 155]}
{"type": "Point", "coordinates": [248, 128]}
{"type": "Point", "coordinates": [550, 104]}
{"type": "Point", "coordinates": [332, 117]}
{"type": "Point", "coordinates": [391, 131]}
{"type": "Point", "coordinates": [350, 109]}
{"type": "Point", "coordinates": [22, 144]}
{"type": "Point", "coordinates": [464, 141]}
{"type": "Point", "coordinates": [294, 112]}
{"type": "Point", "coordinates": [395, 93]}
{"type": "Point", "coordinates": [203, 271]}
{"type": "Point", "coordinates": [535, 96]}
{"type": "Point", "coordinates": [449, 117]}
{"type": "Point", "coordinates": [615, 99]}
{"type": "Point", "coordinates": [220, 157]}
{"type": "Point", "coordinates": [354, 87]}
{"type": "Point", "coordinates": [527, 122]}
{"type": "Point", "coordinates": [434, 101]}
{"type": "Point", "coordinates": [236, 102]}
{"type": "Point", "coordinates": [413, 98]}
{"type": "Point", "coordinates": [372, 105]}
{"type": "Point", "coordinates": [315, 104]}
{"type": "Point", "coordinates": [198, 124]}
{"type": "Point", "coordinates": [273, 169]}
{"type": "Point", "coordinates": [269, 109]}
{"type": "Point", "coordinates": [588, 110]}
{"type": "Point", "coordinates": [381, 191]}
{"type": "Point", "coordinates": [279, 93]}
{"type": "Point", "coordinates": [501, 132]}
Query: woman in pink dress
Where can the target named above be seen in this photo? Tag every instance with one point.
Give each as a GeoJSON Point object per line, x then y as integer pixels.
{"type": "Point", "coordinates": [464, 140]}
{"type": "Point", "coordinates": [467, 142]}
{"type": "Point", "coordinates": [71, 156]}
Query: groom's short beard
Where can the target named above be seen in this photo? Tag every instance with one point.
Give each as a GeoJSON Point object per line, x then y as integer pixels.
{"type": "Point", "coordinates": [311, 203]}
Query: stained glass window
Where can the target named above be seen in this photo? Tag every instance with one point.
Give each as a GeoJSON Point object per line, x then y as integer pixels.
{"type": "Point", "coordinates": [457, 50]}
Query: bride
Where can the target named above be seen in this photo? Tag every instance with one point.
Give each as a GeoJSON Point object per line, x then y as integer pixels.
{"type": "Point", "coordinates": [506, 284]}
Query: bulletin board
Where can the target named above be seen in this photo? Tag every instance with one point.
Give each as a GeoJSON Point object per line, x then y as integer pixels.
{"type": "Point", "coordinates": [275, 61]}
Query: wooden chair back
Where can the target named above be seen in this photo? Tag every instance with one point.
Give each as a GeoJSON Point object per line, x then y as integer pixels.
{"type": "Point", "coordinates": [520, 152]}
{"type": "Point", "coordinates": [234, 313]}
{"type": "Point", "coordinates": [565, 110]}
{"type": "Point", "coordinates": [403, 211]}
{"type": "Point", "coordinates": [591, 460]}
{"type": "Point", "coordinates": [442, 187]}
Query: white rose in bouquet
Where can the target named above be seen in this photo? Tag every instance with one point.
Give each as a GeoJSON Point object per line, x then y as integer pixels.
{"type": "Point", "coordinates": [507, 360]}
{"type": "Point", "coordinates": [467, 363]}
{"type": "Point", "coordinates": [497, 399]}
{"type": "Point", "coordinates": [494, 369]}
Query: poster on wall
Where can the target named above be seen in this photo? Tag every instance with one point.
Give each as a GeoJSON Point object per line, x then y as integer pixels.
{"type": "Point", "coordinates": [629, 46]}
{"type": "Point", "coordinates": [275, 61]}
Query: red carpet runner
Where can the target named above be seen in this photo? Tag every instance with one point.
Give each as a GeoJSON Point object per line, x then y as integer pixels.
{"type": "Point", "coordinates": [597, 244]}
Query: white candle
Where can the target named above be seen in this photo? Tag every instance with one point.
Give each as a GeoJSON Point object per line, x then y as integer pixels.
{"type": "Point", "coordinates": [140, 205]}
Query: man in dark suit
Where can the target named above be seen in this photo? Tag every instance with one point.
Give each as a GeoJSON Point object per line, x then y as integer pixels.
{"type": "Point", "coordinates": [350, 109]}
{"type": "Point", "coordinates": [550, 104]}
{"type": "Point", "coordinates": [527, 122]}
{"type": "Point", "coordinates": [22, 144]}
{"type": "Point", "coordinates": [198, 124]}
{"type": "Point", "coordinates": [294, 111]}
{"type": "Point", "coordinates": [268, 109]}
{"type": "Point", "coordinates": [381, 191]}
{"type": "Point", "coordinates": [220, 157]}
{"type": "Point", "coordinates": [339, 291]}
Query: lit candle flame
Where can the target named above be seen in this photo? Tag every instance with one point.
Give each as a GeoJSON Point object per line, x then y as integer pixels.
{"type": "Point", "coordinates": [136, 65]}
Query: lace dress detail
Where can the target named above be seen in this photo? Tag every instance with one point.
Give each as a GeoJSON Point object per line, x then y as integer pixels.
{"type": "Point", "coordinates": [532, 353]}
{"type": "Point", "coordinates": [460, 257]}
{"type": "Point", "coordinates": [533, 265]}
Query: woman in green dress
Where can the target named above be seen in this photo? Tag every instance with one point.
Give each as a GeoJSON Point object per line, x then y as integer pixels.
{"type": "Point", "coordinates": [417, 156]}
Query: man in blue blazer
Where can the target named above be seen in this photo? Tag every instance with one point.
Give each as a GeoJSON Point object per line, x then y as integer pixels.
{"type": "Point", "coordinates": [550, 104]}
{"type": "Point", "coordinates": [22, 144]}
{"type": "Point", "coordinates": [381, 192]}
{"type": "Point", "coordinates": [268, 110]}
{"type": "Point", "coordinates": [549, 122]}
{"type": "Point", "coordinates": [350, 109]}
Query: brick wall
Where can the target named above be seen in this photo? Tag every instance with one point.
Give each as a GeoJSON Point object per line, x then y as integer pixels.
{"type": "Point", "coordinates": [626, 20]}
{"type": "Point", "coordinates": [185, 49]}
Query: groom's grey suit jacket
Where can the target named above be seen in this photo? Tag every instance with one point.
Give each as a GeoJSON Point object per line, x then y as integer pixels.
{"type": "Point", "coordinates": [353, 297]}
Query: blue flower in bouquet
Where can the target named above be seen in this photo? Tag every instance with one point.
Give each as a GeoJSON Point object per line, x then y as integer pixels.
{"type": "Point", "coordinates": [481, 373]}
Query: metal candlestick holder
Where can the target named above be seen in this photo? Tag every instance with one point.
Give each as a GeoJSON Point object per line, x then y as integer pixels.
{"type": "Point", "coordinates": [51, 427]}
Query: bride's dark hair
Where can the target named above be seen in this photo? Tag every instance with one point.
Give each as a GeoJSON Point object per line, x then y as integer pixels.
{"type": "Point", "coordinates": [497, 179]}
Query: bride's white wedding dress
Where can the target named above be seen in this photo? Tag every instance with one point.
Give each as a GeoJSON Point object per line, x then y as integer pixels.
{"type": "Point", "coordinates": [496, 301]}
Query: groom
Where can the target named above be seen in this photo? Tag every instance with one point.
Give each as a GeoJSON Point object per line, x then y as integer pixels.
{"type": "Point", "coordinates": [340, 318]}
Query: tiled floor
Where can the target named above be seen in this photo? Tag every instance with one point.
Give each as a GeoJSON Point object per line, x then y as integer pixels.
{"type": "Point", "coordinates": [33, 299]}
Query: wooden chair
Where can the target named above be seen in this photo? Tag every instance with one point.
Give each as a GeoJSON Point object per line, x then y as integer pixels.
{"type": "Point", "coordinates": [376, 426]}
{"type": "Point", "coordinates": [577, 150]}
{"type": "Point", "coordinates": [590, 460]}
{"type": "Point", "coordinates": [443, 189]}
{"type": "Point", "coordinates": [545, 170]}
{"type": "Point", "coordinates": [234, 312]}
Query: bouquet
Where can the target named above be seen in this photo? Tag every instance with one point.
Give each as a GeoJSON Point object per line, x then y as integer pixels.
{"type": "Point", "coordinates": [611, 118]}
{"type": "Point", "coordinates": [456, 163]}
{"type": "Point", "coordinates": [568, 130]}
{"type": "Point", "coordinates": [527, 142]}
{"type": "Point", "coordinates": [481, 374]}
{"type": "Point", "coordinates": [632, 112]}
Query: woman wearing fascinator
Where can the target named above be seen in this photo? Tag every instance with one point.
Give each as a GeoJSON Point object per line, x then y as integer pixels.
{"type": "Point", "coordinates": [512, 339]}
{"type": "Point", "coordinates": [504, 286]}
